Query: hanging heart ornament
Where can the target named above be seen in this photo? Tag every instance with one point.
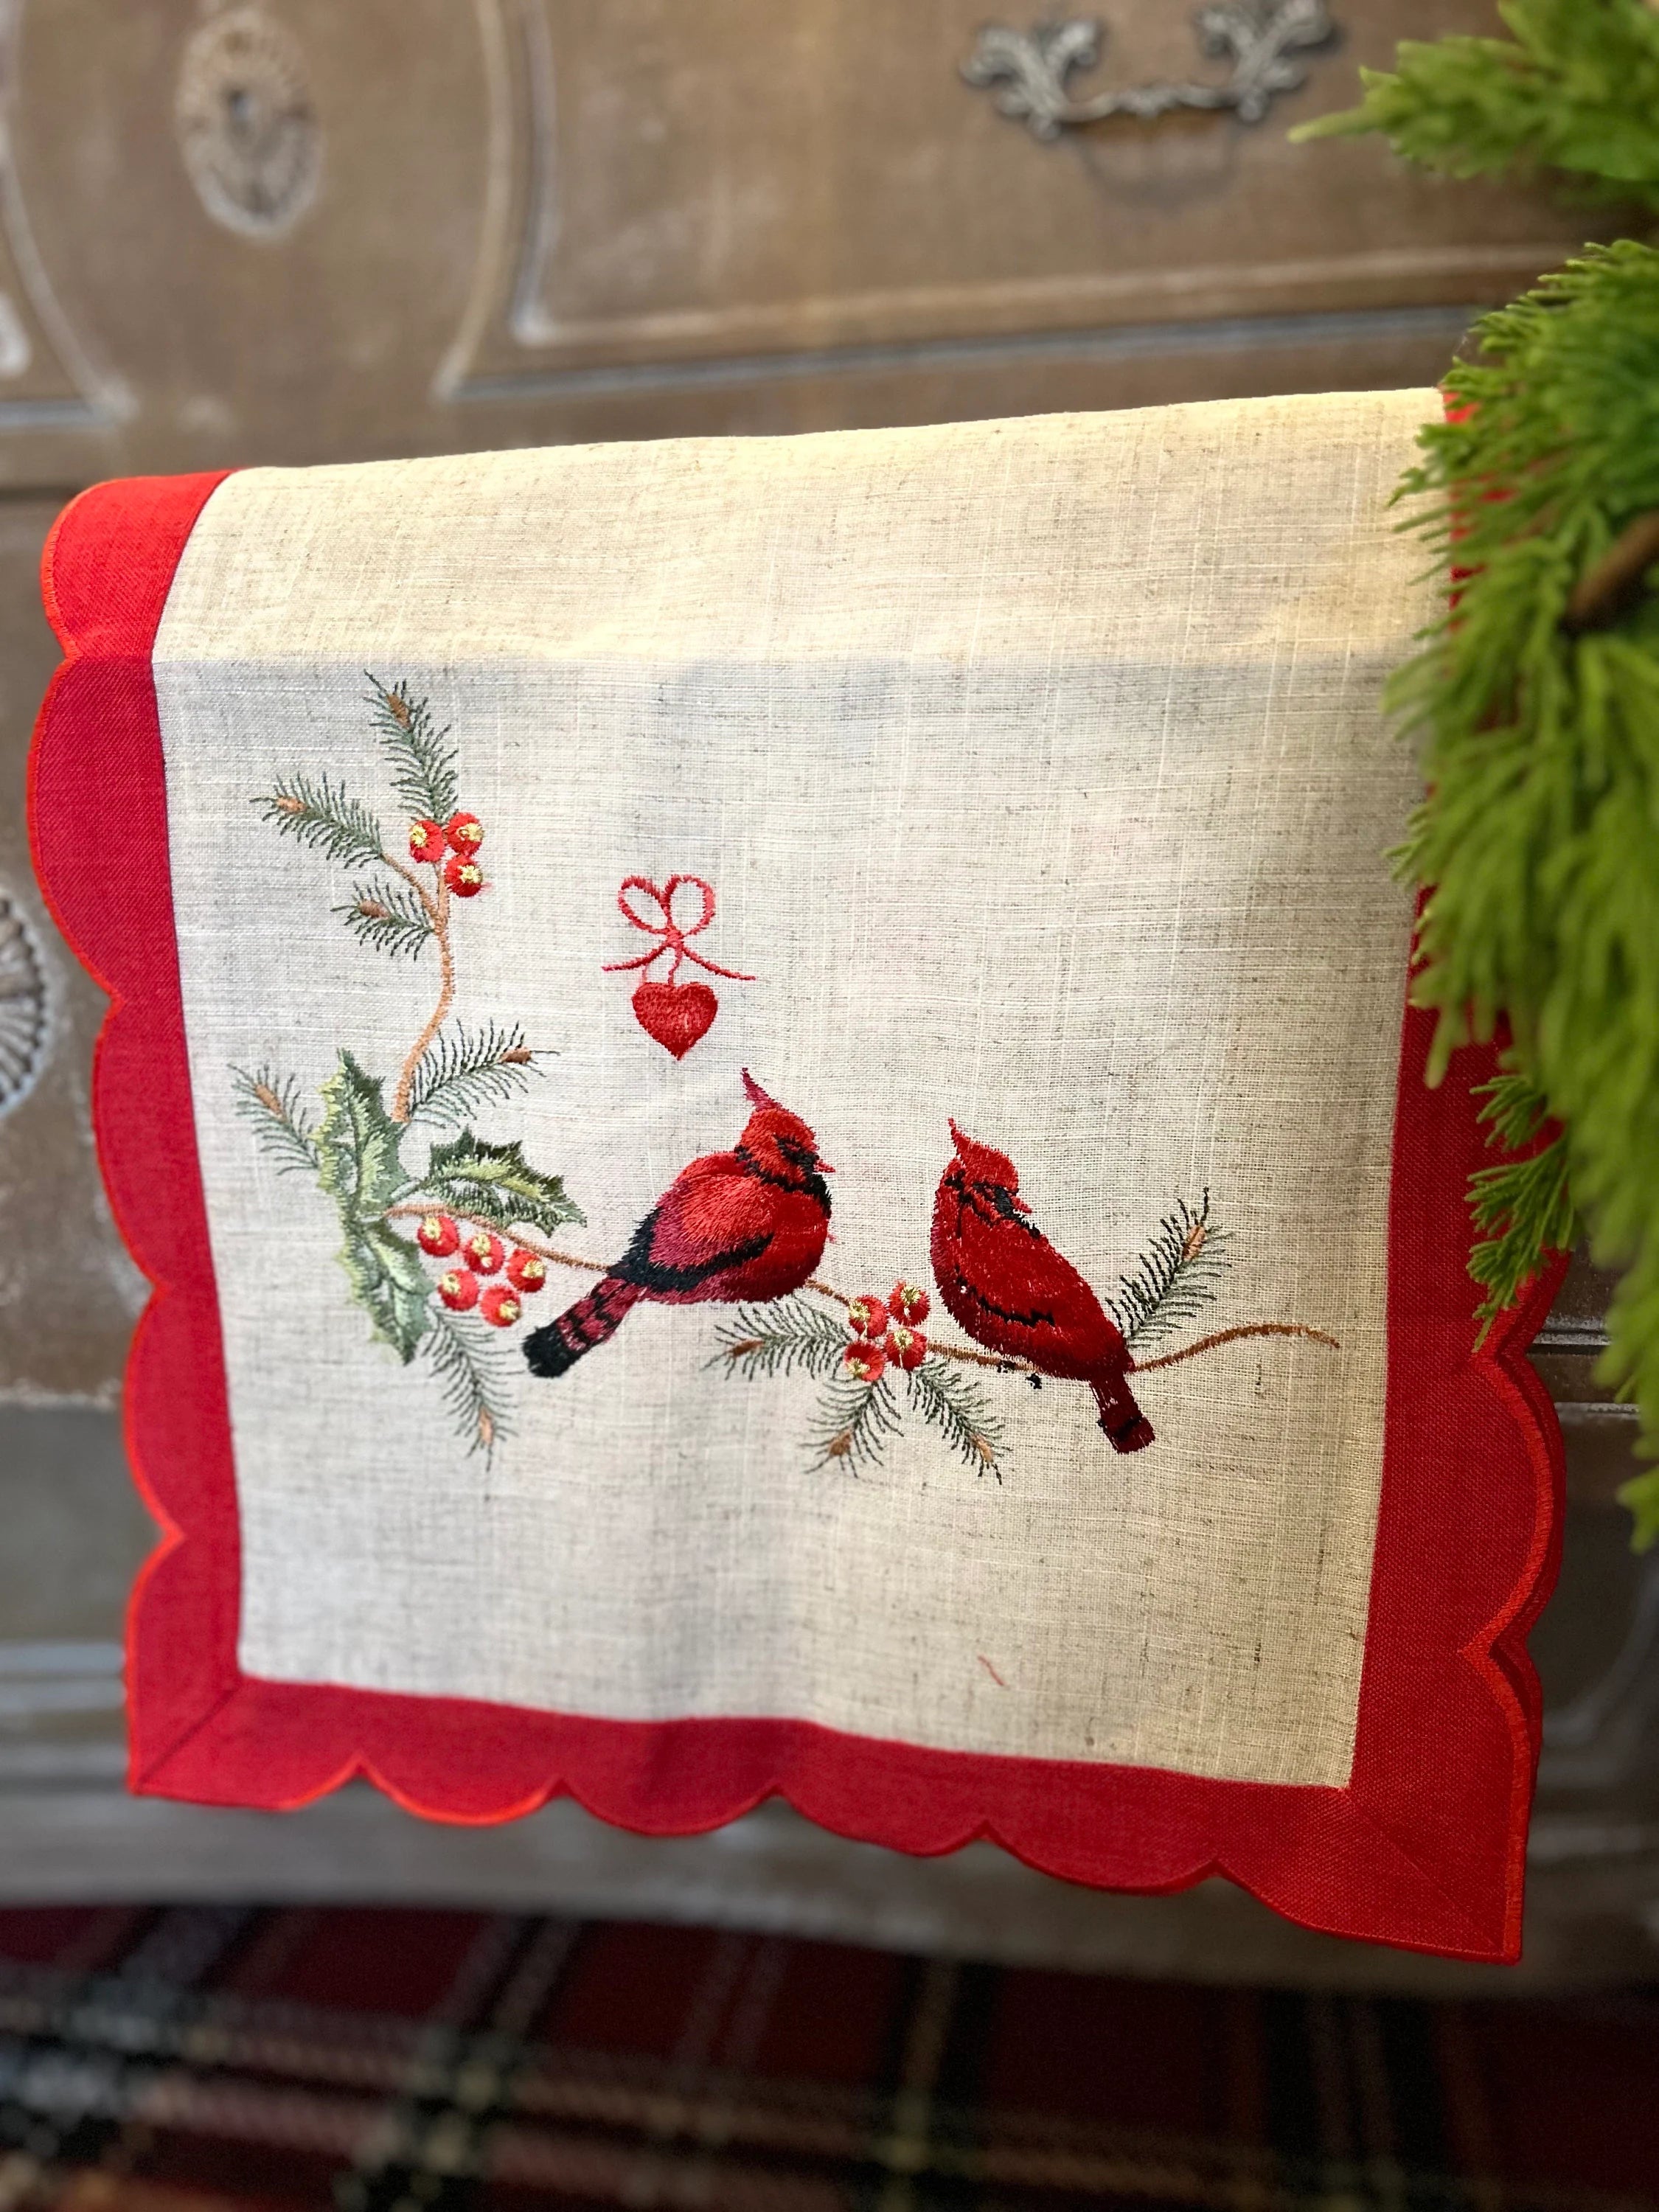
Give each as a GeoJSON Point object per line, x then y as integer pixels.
{"type": "Point", "coordinates": [676, 1014]}
{"type": "Point", "coordinates": [673, 1013]}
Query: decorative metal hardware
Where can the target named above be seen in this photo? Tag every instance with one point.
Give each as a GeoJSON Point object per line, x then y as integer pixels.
{"type": "Point", "coordinates": [1262, 38]}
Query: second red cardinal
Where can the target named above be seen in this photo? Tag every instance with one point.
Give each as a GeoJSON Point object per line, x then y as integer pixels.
{"type": "Point", "coordinates": [1008, 1287]}
{"type": "Point", "coordinates": [750, 1224]}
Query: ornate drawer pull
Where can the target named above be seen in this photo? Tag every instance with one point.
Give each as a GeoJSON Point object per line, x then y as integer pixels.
{"type": "Point", "coordinates": [1262, 39]}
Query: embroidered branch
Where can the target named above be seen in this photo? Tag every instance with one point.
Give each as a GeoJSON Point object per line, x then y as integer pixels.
{"type": "Point", "coordinates": [548, 1252]}
{"type": "Point", "coordinates": [355, 1150]}
{"type": "Point", "coordinates": [1175, 1277]}
{"type": "Point", "coordinates": [873, 1344]}
{"type": "Point", "coordinates": [745, 1227]}
{"type": "Point", "coordinates": [440, 913]}
{"type": "Point", "coordinates": [1234, 1335]}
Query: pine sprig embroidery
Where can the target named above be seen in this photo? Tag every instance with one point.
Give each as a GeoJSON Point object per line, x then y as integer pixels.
{"type": "Point", "coordinates": [472, 1197]}
{"type": "Point", "coordinates": [390, 917]}
{"type": "Point", "coordinates": [423, 768]}
{"type": "Point", "coordinates": [786, 1337]}
{"type": "Point", "coordinates": [269, 1103]}
{"type": "Point", "coordinates": [960, 1411]}
{"type": "Point", "coordinates": [854, 1424]}
{"type": "Point", "coordinates": [324, 816]}
{"type": "Point", "coordinates": [475, 1376]}
{"type": "Point", "coordinates": [464, 1069]}
{"type": "Point", "coordinates": [1174, 1279]}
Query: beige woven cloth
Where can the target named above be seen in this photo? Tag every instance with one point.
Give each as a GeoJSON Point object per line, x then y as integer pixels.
{"type": "Point", "coordinates": [1039, 769]}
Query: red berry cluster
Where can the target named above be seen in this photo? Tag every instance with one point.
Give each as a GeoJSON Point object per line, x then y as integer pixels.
{"type": "Point", "coordinates": [460, 838]}
{"type": "Point", "coordinates": [482, 1253]}
{"type": "Point", "coordinates": [884, 1331]}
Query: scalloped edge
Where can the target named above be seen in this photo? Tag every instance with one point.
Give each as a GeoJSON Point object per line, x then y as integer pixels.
{"type": "Point", "coordinates": [1423, 1848]}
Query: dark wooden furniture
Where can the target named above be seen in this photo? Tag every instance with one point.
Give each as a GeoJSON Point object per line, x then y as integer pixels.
{"type": "Point", "coordinates": [288, 231]}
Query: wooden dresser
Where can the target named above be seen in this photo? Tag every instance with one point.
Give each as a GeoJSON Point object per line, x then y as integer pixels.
{"type": "Point", "coordinates": [294, 231]}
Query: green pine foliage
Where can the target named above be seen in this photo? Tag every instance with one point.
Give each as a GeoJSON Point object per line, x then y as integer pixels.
{"type": "Point", "coordinates": [464, 1069]}
{"type": "Point", "coordinates": [272, 1105]}
{"type": "Point", "coordinates": [389, 917]}
{"type": "Point", "coordinates": [786, 1337]}
{"type": "Point", "coordinates": [475, 1374]}
{"type": "Point", "coordinates": [1575, 89]}
{"type": "Point", "coordinates": [354, 1150]}
{"type": "Point", "coordinates": [854, 1423]}
{"type": "Point", "coordinates": [957, 1407]}
{"type": "Point", "coordinates": [1524, 1206]}
{"type": "Point", "coordinates": [1175, 1277]}
{"type": "Point", "coordinates": [422, 761]}
{"type": "Point", "coordinates": [324, 816]}
{"type": "Point", "coordinates": [1537, 717]}
{"type": "Point", "coordinates": [791, 1336]}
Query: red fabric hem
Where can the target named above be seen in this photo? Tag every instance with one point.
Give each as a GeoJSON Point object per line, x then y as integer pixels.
{"type": "Point", "coordinates": [1424, 1847]}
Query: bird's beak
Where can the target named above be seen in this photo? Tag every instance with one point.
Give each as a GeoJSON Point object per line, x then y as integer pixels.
{"type": "Point", "coordinates": [825, 1168]}
{"type": "Point", "coordinates": [1020, 1207]}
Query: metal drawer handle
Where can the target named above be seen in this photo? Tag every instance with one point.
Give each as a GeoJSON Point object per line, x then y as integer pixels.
{"type": "Point", "coordinates": [1260, 37]}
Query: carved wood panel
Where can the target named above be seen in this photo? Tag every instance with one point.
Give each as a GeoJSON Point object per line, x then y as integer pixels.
{"type": "Point", "coordinates": [241, 230]}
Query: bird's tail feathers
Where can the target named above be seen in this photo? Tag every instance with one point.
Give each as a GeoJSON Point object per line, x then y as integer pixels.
{"type": "Point", "coordinates": [554, 1350]}
{"type": "Point", "coordinates": [1127, 1427]}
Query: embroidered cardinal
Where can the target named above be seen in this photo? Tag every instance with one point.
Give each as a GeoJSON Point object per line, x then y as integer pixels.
{"type": "Point", "coordinates": [1004, 1281]}
{"type": "Point", "coordinates": [748, 1224]}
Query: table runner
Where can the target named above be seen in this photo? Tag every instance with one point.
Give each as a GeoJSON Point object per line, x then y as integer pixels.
{"type": "Point", "coordinates": [759, 1079]}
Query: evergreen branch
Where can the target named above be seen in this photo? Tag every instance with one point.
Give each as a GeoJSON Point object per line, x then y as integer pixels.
{"type": "Point", "coordinates": [391, 917]}
{"type": "Point", "coordinates": [1525, 1204]}
{"type": "Point", "coordinates": [269, 1104]}
{"type": "Point", "coordinates": [423, 763]}
{"type": "Point", "coordinates": [321, 815]}
{"type": "Point", "coordinates": [1174, 1279]}
{"type": "Point", "coordinates": [959, 1410]}
{"type": "Point", "coordinates": [853, 1423]}
{"type": "Point", "coordinates": [784, 1337]}
{"type": "Point", "coordinates": [473, 1372]}
{"type": "Point", "coordinates": [1576, 90]}
{"type": "Point", "coordinates": [464, 1069]}
{"type": "Point", "coordinates": [1538, 742]}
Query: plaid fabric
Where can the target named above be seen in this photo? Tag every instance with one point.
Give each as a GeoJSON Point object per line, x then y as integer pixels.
{"type": "Point", "coordinates": [221, 2061]}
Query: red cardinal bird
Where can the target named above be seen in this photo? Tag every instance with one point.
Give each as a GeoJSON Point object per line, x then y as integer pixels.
{"type": "Point", "coordinates": [1013, 1293]}
{"type": "Point", "coordinates": [747, 1224]}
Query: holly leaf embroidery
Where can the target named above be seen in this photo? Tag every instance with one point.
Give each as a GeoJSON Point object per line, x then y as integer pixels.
{"type": "Point", "coordinates": [497, 1183]}
{"type": "Point", "coordinates": [388, 1281]}
{"type": "Point", "coordinates": [358, 1165]}
{"type": "Point", "coordinates": [357, 1145]}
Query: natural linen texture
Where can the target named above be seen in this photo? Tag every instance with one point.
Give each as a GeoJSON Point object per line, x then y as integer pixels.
{"type": "Point", "coordinates": [1031, 777]}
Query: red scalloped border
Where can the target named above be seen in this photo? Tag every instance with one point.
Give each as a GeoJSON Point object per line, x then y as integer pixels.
{"type": "Point", "coordinates": [1425, 1848]}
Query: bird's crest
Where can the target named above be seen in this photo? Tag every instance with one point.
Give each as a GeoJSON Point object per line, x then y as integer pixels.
{"type": "Point", "coordinates": [983, 1162]}
{"type": "Point", "coordinates": [779, 1141]}
{"type": "Point", "coordinates": [757, 1097]}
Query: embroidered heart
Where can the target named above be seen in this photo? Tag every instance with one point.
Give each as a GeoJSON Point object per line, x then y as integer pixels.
{"type": "Point", "coordinates": [675, 1014]}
